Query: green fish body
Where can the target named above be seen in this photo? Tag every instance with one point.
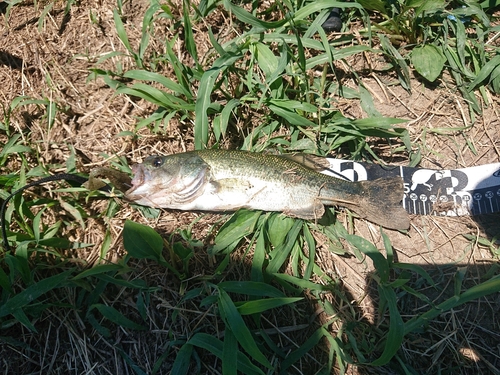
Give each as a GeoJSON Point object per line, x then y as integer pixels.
{"type": "Point", "coordinates": [221, 180]}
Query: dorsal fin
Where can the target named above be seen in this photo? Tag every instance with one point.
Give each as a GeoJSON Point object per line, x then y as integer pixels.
{"type": "Point", "coordinates": [316, 163]}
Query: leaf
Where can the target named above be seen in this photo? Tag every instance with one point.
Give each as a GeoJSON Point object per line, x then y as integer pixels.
{"type": "Point", "coordinates": [365, 246]}
{"type": "Point", "coordinates": [261, 305]}
{"type": "Point", "coordinates": [278, 227]}
{"type": "Point", "coordinates": [481, 290]}
{"type": "Point", "coordinates": [429, 6]}
{"type": "Point", "coordinates": [259, 258]}
{"type": "Point", "coordinates": [251, 288]}
{"type": "Point", "coordinates": [99, 328]}
{"type": "Point", "coordinates": [367, 102]}
{"type": "Point", "coordinates": [221, 122]}
{"type": "Point", "coordinates": [112, 314]}
{"type": "Point", "coordinates": [120, 29]}
{"type": "Point", "coordinates": [142, 305]}
{"type": "Point", "coordinates": [99, 269]}
{"type": "Point", "coordinates": [319, 5]}
{"type": "Point", "coordinates": [37, 224]}
{"type": "Point", "coordinates": [189, 41]}
{"type": "Point", "coordinates": [291, 116]}
{"type": "Point", "coordinates": [398, 61]}
{"type": "Point", "coordinates": [144, 75]}
{"type": "Point", "coordinates": [73, 211]}
{"type": "Point", "coordinates": [302, 283]}
{"type": "Point", "coordinates": [378, 122]}
{"type": "Point", "coordinates": [268, 62]}
{"type": "Point", "coordinates": [241, 224]}
{"type": "Point", "coordinates": [485, 72]}
{"type": "Point", "coordinates": [106, 244]}
{"type": "Point", "coordinates": [51, 113]}
{"type": "Point", "coordinates": [142, 242]}
{"type": "Point", "coordinates": [311, 245]}
{"type": "Point", "coordinates": [294, 356]}
{"type": "Point", "coordinates": [21, 317]}
{"type": "Point", "coordinates": [34, 291]}
{"type": "Point", "coordinates": [156, 96]}
{"type": "Point", "coordinates": [182, 360]}
{"type": "Point", "coordinates": [215, 346]}
{"type": "Point", "coordinates": [230, 354]}
{"type": "Point", "coordinates": [417, 269]}
{"type": "Point", "coordinates": [428, 61]}
{"type": "Point", "coordinates": [280, 254]}
{"type": "Point", "coordinates": [236, 324]}
{"type": "Point", "coordinates": [207, 82]}
{"type": "Point", "coordinates": [396, 328]}
{"type": "Point", "coordinates": [388, 247]}
{"type": "Point", "coordinates": [134, 366]}
{"type": "Point", "coordinates": [5, 283]}
{"type": "Point", "coordinates": [62, 243]}
{"type": "Point", "coordinates": [486, 288]}
{"type": "Point", "coordinates": [134, 284]}
{"type": "Point", "coordinates": [11, 148]}
{"type": "Point", "coordinates": [246, 17]}
{"type": "Point", "coordinates": [339, 54]}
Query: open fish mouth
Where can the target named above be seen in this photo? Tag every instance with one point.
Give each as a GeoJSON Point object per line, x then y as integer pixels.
{"type": "Point", "coordinates": [138, 180]}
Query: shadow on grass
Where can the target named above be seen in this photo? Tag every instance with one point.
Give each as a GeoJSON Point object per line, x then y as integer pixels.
{"type": "Point", "coordinates": [463, 340]}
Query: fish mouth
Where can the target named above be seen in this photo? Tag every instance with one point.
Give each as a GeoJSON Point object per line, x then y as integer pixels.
{"type": "Point", "coordinates": [138, 180]}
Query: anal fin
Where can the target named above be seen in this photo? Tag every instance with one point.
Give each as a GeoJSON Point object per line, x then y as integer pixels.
{"type": "Point", "coordinates": [312, 212]}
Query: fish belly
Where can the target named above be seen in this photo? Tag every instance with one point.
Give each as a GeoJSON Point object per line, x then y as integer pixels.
{"type": "Point", "coordinates": [231, 194]}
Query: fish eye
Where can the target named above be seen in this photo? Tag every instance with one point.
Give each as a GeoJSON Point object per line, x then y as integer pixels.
{"type": "Point", "coordinates": [157, 162]}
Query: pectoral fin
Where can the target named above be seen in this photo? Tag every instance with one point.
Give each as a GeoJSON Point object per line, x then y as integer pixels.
{"type": "Point", "coordinates": [230, 185]}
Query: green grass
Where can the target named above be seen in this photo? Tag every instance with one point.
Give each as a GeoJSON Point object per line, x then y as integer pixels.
{"type": "Point", "coordinates": [271, 87]}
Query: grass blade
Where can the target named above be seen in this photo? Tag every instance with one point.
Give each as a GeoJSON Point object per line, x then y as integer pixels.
{"type": "Point", "coordinates": [235, 323]}
{"type": "Point", "coordinates": [102, 268]}
{"type": "Point", "coordinates": [279, 255]}
{"type": "Point", "coordinates": [34, 291]}
{"type": "Point", "coordinates": [241, 224]}
{"type": "Point", "coordinates": [215, 346]}
{"type": "Point", "coordinates": [144, 75]}
{"type": "Point", "coordinates": [259, 258]}
{"type": "Point", "coordinates": [251, 288]}
{"type": "Point", "coordinates": [182, 360]}
{"type": "Point", "coordinates": [201, 124]}
{"type": "Point", "coordinates": [484, 289]}
{"type": "Point", "coordinates": [188, 31]}
{"type": "Point", "coordinates": [230, 354]}
{"type": "Point", "coordinates": [369, 249]}
{"type": "Point", "coordinates": [297, 354]}
{"type": "Point", "coordinates": [396, 327]}
{"type": "Point", "coordinates": [261, 305]}
{"type": "Point", "coordinates": [112, 314]}
{"type": "Point", "coordinates": [141, 241]}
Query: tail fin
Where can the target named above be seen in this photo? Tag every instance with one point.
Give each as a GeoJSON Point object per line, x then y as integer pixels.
{"type": "Point", "coordinates": [381, 203]}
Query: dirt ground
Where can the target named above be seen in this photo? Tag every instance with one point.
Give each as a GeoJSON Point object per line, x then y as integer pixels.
{"type": "Point", "coordinates": [52, 59]}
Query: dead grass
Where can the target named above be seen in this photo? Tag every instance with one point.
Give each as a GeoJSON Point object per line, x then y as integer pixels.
{"type": "Point", "coordinates": [54, 63]}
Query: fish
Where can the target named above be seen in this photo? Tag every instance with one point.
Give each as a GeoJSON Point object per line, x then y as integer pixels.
{"type": "Point", "coordinates": [227, 180]}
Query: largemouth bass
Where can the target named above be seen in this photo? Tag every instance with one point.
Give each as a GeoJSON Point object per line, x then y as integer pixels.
{"type": "Point", "coordinates": [221, 180]}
